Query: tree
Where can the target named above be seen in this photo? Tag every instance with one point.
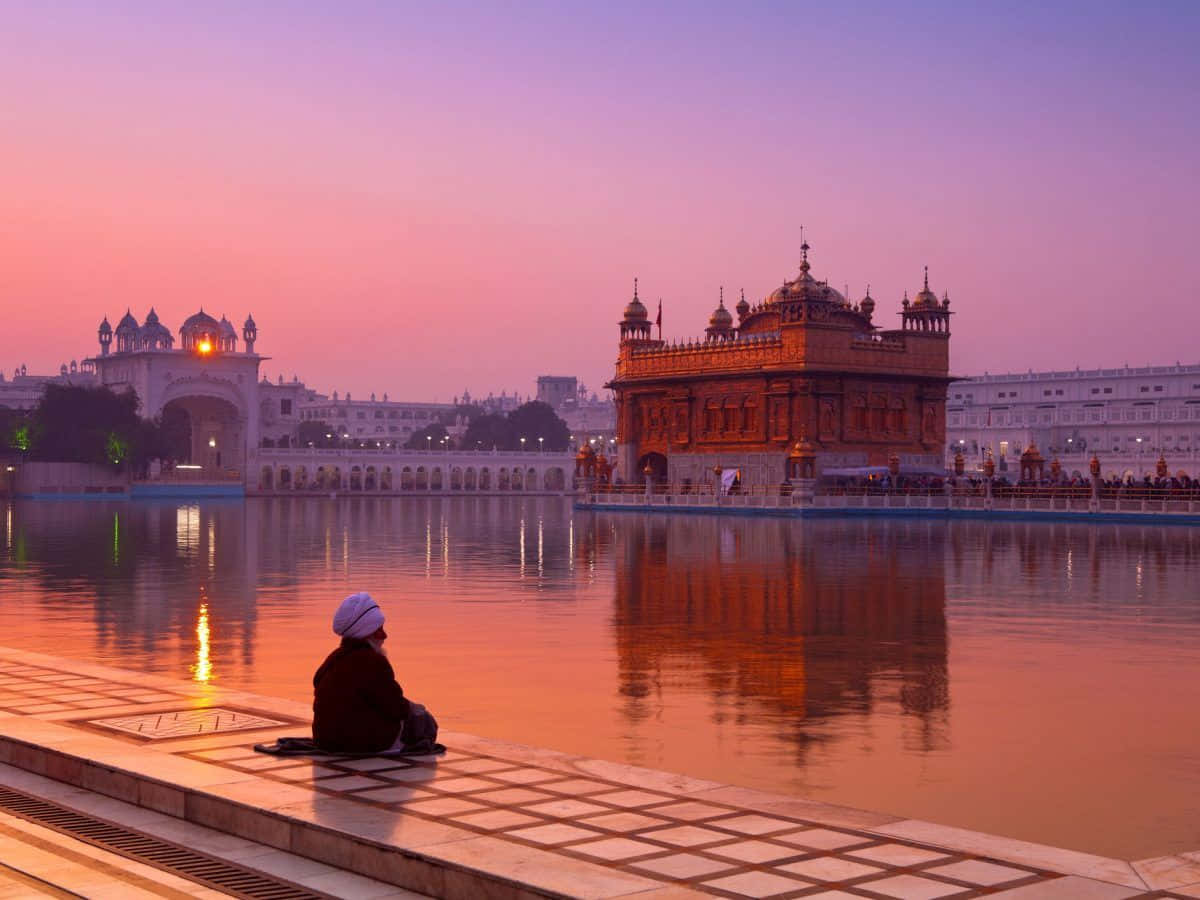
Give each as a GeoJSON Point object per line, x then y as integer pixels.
{"type": "Point", "coordinates": [88, 424]}
{"type": "Point", "coordinates": [429, 436]}
{"type": "Point", "coordinates": [14, 430]}
{"type": "Point", "coordinates": [488, 431]}
{"type": "Point", "coordinates": [535, 420]}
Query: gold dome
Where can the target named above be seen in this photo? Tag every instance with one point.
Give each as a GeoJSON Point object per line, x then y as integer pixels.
{"type": "Point", "coordinates": [926, 299]}
{"type": "Point", "coordinates": [635, 310]}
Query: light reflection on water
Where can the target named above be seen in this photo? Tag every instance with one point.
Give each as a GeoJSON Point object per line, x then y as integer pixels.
{"type": "Point", "coordinates": [1037, 680]}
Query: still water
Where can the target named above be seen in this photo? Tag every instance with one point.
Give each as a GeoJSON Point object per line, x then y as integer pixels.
{"type": "Point", "coordinates": [1034, 680]}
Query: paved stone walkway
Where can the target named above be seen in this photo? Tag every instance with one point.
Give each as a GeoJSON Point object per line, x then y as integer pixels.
{"type": "Point", "coordinates": [509, 820]}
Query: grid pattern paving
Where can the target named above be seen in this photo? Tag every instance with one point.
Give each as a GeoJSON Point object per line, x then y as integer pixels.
{"type": "Point", "coordinates": [718, 848]}
{"type": "Point", "coordinates": [31, 690]}
{"type": "Point", "coordinates": [185, 723]}
{"type": "Point", "coordinates": [721, 849]}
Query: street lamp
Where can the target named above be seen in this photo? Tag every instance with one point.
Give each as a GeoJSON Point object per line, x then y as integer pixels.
{"type": "Point", "coordinates": [522, 445]}
{"type": "Point", "coordinates": [541, 445]}
{"type": "Point", "coordinates": [428, 442]}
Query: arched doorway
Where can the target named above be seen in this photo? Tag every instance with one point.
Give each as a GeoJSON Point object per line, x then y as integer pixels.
{"type": "Point", "coordinates": [556, 479]}
{"type": "Point", "coordinates": [658, 468]}
{"type": "Point", "coordinates": [211, 430]}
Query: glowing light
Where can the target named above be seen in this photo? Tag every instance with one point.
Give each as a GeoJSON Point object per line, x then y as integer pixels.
{"type": "Point", "coordinates": [202, 670]}
{"type": "Point", "coordinates": [116, 539]}
{"type": "Point", "coordinates": [204, 348]}
{"type": "Point", "coordinates": [212, 442]}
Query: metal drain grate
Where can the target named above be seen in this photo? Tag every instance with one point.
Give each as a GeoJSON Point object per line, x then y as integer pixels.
{"type": "Point", "coordinates": [207, 870]}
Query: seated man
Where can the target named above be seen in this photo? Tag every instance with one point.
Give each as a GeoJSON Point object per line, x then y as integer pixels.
{"type": "Point", "coordinates": [357, 705]}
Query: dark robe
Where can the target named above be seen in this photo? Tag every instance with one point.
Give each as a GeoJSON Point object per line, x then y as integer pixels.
{"type": "Point", "coordinates": [357, 705]}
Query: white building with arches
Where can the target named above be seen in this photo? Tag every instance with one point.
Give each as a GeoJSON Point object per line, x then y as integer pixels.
{"type": "Point", "coordinates": [390, 472]}
{"type": "Point", "coordinates": [231, 408]}
{"type": "Point", "coordinates": [1126, 417]}
{"type": "Point", "coordinates": [206, 376]}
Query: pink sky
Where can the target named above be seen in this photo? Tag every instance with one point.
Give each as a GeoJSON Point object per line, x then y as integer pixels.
{"type": "Point", "coordinates": [420, 202]}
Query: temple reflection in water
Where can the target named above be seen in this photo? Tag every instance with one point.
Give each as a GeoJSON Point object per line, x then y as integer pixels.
{"type": "Point", "coordinates": [795, 623]}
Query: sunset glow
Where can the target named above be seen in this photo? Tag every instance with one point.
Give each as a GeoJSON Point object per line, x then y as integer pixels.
{"type": "Point", "coordinates": [400, 193]}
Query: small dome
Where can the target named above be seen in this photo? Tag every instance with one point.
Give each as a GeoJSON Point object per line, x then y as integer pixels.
{"type": "Point", "coordinates": [227, 328]}
{"type": "Point", "coordinates": [127, 322]}
{"type": "Point", "coordinates": [742, 306]}
{"type": "Point", "coordinates": [721, 317]}
{"type": "Point", "coordinates": [867, 304]}
{"type": "Point", "coordinates": [926, 299]}
{"type": "Point", "coordinates": [635, 310]}
{"type": "Point", "coordinates": [154, 333]}
{"type": "Point", "coordinates": [249, 322]}
{"type": "Point", "coordinates": [105, 328]}
{"type": "Point", "coordinates": [200, 321]}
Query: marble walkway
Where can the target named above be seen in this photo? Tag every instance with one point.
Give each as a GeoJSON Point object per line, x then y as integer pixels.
{"type": "Point", "coordinates": [496, 820]}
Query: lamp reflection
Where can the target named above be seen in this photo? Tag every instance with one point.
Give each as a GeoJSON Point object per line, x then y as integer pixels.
{"type": "Point", "coordinates": [187, 528]}
{"type": "Point", "coordinates": [202, 669]}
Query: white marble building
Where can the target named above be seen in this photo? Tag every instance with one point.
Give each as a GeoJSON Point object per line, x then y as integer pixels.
{"type": "Point", "coordinates": [1127, 417]}
{"type": "Point", "coordinates": [207, 376]}
{"type": "Point", "coordinates": [23, 391]}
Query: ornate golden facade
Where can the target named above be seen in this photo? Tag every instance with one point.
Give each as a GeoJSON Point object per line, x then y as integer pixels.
{"type": "Point", "coordinates": [803, 365]}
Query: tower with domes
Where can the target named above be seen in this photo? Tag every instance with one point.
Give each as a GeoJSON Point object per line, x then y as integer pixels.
{"type": "Point", "coordinates": [204, 375]}
{"type": "Point", "coordinates": [805, 364]}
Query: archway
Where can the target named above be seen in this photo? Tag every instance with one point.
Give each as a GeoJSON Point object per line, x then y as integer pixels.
{"type": "Point", "coordinates": [531, 479]}
{"type": "Point", "coordinates": [517, 482]}
{"type": "Point", "coordinates": [435, 479]}
{"type": "Point", "coordinates": [406, 478]}
{"type": "Point", "coordinates": [385, 480]}
{"type": "Point", "coordinates": [422, 479]}
{"type": "Point", "coordinates": [469, 479]}
{"type": "Point", "coordinates": [370, 480]}
{"type": "Point", "coordinates": [266, 480]}
{"type": "Point", "coordinates": [301, 478]}
{"type": "Point", "coordinates": [285, 478]}
{"type": "Point", "coordinates": [556, 479]}
{"type": "Point", "coordinates": [485, 479]}
{"type": "Point", "coordinates": [212, 431]}
{"type": "Point", "coordinates": [658, 468]}
{"type": "Point", "coordinates": [456, 479]}
{"type": "Point", "coordinates": [356, 478]}
{"type": "Point", "coordinates": [502, 480]}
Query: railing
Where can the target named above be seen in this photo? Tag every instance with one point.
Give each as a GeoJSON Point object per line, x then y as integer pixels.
{"type": "Point", "coordinates": [1025, 499]}
{"type": "Point", "coordinates": [190, 476]}
{"type": "Point", "coordinates": [349, 452]}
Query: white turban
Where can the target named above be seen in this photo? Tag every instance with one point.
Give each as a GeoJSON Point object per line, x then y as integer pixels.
{"type": "Point", "coordinates": [358, 616]}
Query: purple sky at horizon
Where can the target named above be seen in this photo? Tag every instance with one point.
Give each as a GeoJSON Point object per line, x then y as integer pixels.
{"type": "Point", "coordinates": [419, 200]}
